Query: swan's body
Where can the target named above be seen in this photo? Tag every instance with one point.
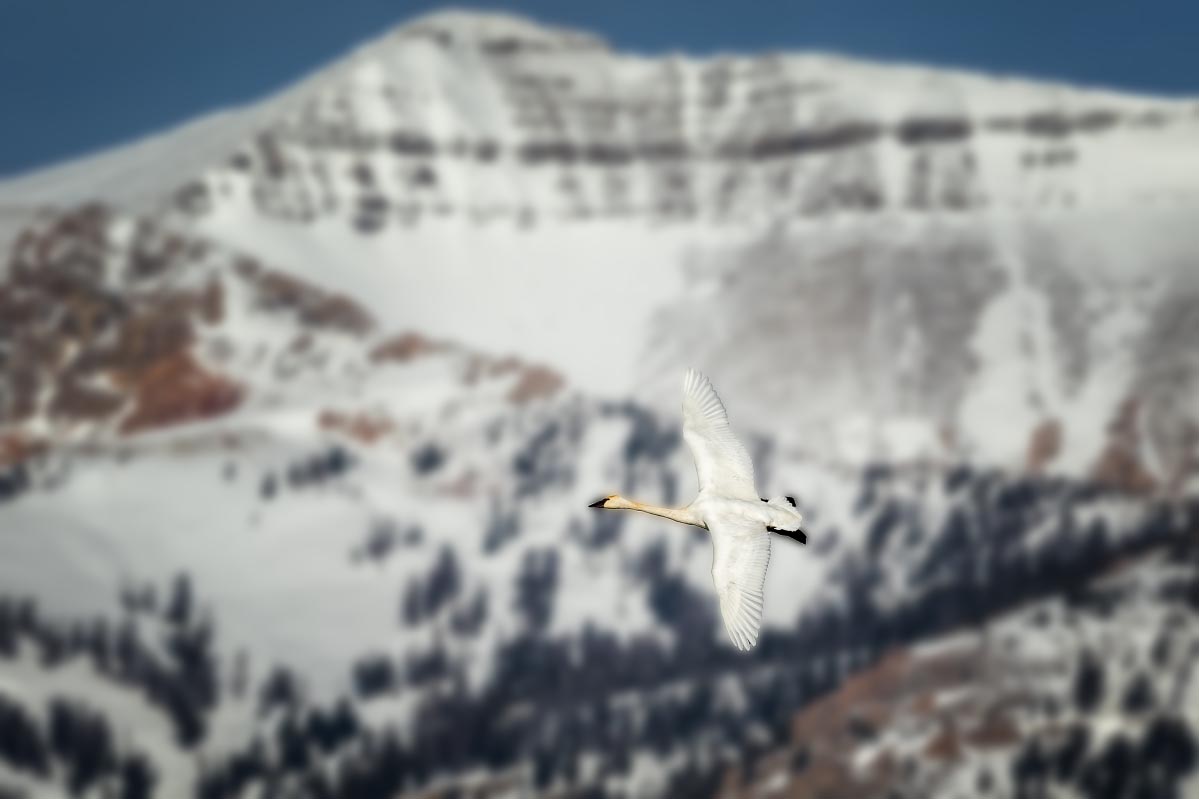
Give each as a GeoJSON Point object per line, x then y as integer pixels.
{"type": "Point", "coordinates": [729, 508]}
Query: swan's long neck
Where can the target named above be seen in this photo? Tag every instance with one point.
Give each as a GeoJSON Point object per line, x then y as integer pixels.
{"type": "Point", "coordinates": [683, 515]}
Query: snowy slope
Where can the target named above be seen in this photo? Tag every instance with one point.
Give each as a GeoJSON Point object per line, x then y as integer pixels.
{"type": "Point", "coordinates": [1092, 695]}
{"type": "Point", "coordinates": [451, 566]}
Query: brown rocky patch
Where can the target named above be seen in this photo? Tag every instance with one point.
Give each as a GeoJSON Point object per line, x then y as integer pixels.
{"type": "Point", "coordinates": [312, 307]}
{"type": "Point", "coordinates": [91, 324]}
{"type": "Point", "coordinates": [1119, 464]}
{"type": "Point", "coordinates": [177, 389]}
{"type": "Point", "coordinates": [361, 426]}
{"type": "Point", "coordinates": [945, 745]}
{"type": "Point", "coordinates": [405, 347]}
{"type": "Point", "coordinates": [828, 734]}
{"type": "Point", "coordinates": [995, 730]}
{"type": "Point", "coordinates": [835, 710]}
{"type": "Point", "coordinates": [535, 382]}
{"type": "Point", "coordinates": [100, 329]}
{"type": "Point", "coordinates": [1043, 445]}
{"type": "Point", "coordinates": [16, 448]}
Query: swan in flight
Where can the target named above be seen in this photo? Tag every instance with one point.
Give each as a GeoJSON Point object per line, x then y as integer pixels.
{"type": "Point", "coordinates": [728, 507]}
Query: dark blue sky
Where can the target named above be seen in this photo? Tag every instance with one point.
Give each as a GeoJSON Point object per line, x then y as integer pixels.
{"type": "Point", "coordinates": [80, 75]}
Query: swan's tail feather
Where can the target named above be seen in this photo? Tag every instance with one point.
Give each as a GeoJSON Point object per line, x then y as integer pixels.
{"type": "Point", "coordinates": [796, 535]}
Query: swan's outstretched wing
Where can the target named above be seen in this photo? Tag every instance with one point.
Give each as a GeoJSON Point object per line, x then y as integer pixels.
{"type": "Point", "coordinates": [740, 555]}
{"type": "Point", "coordinates": [721, 461]}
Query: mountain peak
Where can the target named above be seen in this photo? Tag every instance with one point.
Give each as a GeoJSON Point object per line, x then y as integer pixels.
{"type": "Point", "coordinates": [496, 33]}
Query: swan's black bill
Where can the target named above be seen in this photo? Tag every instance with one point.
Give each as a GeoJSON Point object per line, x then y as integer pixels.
{"type": "Point", "coordinates": [598, 504]}
{"type": "Point", "coordinates": [796, 535]}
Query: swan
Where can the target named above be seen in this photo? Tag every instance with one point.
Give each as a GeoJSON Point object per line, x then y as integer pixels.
{"type": "Point", "coordinates": [729, 508]}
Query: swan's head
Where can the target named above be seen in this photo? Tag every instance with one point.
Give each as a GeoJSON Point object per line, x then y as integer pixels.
{"type": "Point", "coordinates": [611, 501]}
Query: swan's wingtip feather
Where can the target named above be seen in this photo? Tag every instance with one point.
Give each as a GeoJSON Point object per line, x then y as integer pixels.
{"type": "Point", "coordinates": [693, 378]}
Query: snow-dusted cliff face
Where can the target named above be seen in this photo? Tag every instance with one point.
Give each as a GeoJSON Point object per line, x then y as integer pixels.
{"type": "Point", "coordinates": [881, 261]}
{"type": "Point", "coordinates": [301, 406]}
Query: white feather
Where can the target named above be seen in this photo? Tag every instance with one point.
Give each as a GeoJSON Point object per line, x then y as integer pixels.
{"type": "Point", "coordinates": [740, 555]}
{"type": "Point", "coordinates": [721, 461]}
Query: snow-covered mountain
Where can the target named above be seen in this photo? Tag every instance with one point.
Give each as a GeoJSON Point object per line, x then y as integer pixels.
{"type": "Point", "coordinates": [303, 403]}
{"type": "Point", "coordinates": [924, 263]}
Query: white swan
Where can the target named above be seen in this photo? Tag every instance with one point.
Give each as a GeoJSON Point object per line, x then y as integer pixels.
{"type": "Point", "coordinates": [728, 506]}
